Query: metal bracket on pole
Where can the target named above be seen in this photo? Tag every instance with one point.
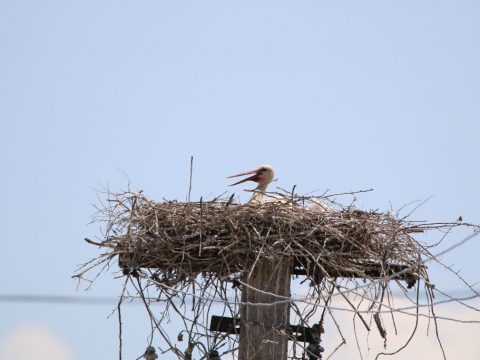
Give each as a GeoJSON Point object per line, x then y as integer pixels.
{"type": "Point", "coordinates": [232, 326]}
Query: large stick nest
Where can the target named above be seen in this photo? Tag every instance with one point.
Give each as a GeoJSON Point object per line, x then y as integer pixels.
{"type": "Point", "coordinates": [183, 240]}
{"type": "Point", "coordinates": [192, 250]}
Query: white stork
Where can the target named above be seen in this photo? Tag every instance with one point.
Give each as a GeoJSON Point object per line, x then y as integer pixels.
{"type": "Point", "coordinates": [263, 176]}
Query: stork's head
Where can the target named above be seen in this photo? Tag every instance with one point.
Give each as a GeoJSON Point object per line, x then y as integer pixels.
{"type": "Point", "coordinates": [262, 175]}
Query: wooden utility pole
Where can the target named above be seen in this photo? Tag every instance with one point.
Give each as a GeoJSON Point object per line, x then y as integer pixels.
{"type": "Point", "coordinates": [263, 334]}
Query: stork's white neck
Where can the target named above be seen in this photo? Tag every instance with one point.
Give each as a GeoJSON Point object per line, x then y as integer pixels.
{"type": "Point", "coordinates": [257, 196]}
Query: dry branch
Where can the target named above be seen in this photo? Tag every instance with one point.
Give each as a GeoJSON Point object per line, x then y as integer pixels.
{"type": "Point", "coordinates": [184, 240]}
{"type": "Point", "coordinates": [193, 249]}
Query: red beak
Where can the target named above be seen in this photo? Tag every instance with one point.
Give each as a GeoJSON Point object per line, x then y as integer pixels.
{"type": "Point", "coordinates": [254, 177]}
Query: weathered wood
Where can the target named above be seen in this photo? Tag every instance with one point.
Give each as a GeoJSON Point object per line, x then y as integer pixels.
{"type": "Point", "coordinates": [264, 334]}
{"type": "Point", "coordinates": [370, 269]}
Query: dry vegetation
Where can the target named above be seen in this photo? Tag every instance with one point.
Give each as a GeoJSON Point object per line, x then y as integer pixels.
{"type": "Point", "coordinates": [172, 252]}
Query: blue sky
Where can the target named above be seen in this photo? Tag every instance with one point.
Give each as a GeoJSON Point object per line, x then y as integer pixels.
{"type": "Point", "coordinates": [338, 95]}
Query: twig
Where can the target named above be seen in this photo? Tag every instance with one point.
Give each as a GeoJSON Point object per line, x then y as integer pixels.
{"type": "Point", "coordinates": [190, 182]}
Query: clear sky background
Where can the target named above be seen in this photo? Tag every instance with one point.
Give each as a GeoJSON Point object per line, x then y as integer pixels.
{"type": "Point", "coordinates": [339, 95]}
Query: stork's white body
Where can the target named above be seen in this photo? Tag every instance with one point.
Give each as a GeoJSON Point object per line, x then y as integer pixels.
{"type": "Point", "coordinates": [263, 176]}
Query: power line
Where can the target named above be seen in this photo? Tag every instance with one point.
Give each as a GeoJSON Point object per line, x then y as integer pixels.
{"type": "Point", "coordinates": [82, 300]}
{"type": "Point", "coordinates": [72, 300]}
{"type": "Point", "coordinates": [57, 299]}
